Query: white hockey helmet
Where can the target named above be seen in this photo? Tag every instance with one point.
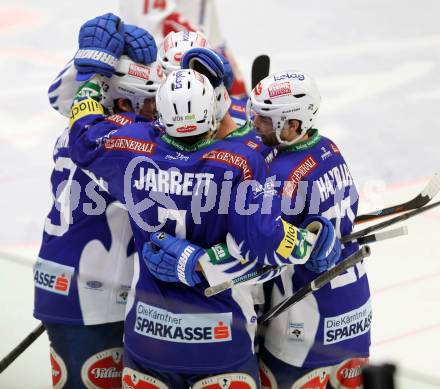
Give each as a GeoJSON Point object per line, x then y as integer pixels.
{"type": "Point", "coordinates": [185, 103]}
{"type": "Point", "coordinates": [133, 81]}
{"type": "Point", "coordinates": [174, 46]}
{"type": "Point", "coordinates": [284, 96]}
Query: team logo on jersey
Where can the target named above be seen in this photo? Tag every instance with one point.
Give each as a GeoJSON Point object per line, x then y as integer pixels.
{"type": "Point", "coordinates": [129, 144]}
{"type": "Point", "coordinates": [231, 159]}
{"type": "Point", "coordinates": [226, 381]}
{"type": "Point", "coordinates": [160, 324]}
{"type": "Point", "coordinates": [295, 331]}
{"type": "Point", "coordinates": [279, 89]}
{"type": "Point", "coordinates": [122, 294]}
{"type": "Point", "coordinates": [103, 369]}
{"type": "Point", "coordinates": [303, 169]}
{"type": "Point", "coordinates": [59, 371]}
{"type": "Point", "coordinates": [52, 276]}
{"type": "Point", "coordinates": [133, 379]}
{"type": "Point", "coordinates": [139, 71]}
{"type": "Point", "coordinates": [348, 325]}
{"type": "Point", "coordinates": [348, 374]}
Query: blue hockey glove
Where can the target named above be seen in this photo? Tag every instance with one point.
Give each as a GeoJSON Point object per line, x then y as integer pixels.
{"type": "Point", "coordinates": [101, 43]}
{"type": "Point", "coordinates": [210, 63]}
{"type": "Point", "coordinates": [140, 46]}
{"type": "Point", "coordinates": [173, 259]}
{"type": "Point", "coordinates": [327, 248]}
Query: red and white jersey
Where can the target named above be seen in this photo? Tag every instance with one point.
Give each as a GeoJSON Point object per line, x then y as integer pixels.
{"type": "Point", "coordinates": [159, 17]}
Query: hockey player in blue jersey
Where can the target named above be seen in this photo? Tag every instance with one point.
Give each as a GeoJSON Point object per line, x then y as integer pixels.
{"type": "Point", "coordinates": [327, 335]}
{"type": "Point", "coordinates": [85, 266]}
{"type": "Point", "coordinates": [181, 184]}
{"type": "Point", "coordinates": [325, 338]}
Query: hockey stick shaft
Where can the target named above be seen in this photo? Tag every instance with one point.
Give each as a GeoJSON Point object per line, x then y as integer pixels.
{"type": "Point", "coordinates": [216, 289]}
{"type": "Point", "coordinates": [431, 189]}
{"type": "Point", "coordinates": [21, 347]}
{"type": "Point", "coordinates": [387, 223]}
{"type": "Point", "coordinates": [316, 284]}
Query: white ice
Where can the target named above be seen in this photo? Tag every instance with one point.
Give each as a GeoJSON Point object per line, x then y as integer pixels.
{"type": "Point", "coordinates": [377, 64]}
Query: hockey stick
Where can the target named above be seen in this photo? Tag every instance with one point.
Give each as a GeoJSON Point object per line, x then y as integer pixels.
{"type": "Point", "coordinates": [424, 197]}
{"type": "Point", "coordinates": [394, 220]}
{"type": "Point", "coordinates": [316, 284]}
{"type": "Point", "coordinates": [216, 289]}
{"type": "Point", "coordinates": [21, 347]}
{"type": "Point", "coordinates": [260, 69]}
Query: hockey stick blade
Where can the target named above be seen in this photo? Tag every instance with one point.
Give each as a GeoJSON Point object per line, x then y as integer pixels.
{"type": "Point", "coordinates": [260, 69]}
{"type": "Point", "coordinates": [424, 197]}
{"type": "Point", "coordinates": [387, 223]}
{"type": "Point", "coordinates": [316, 284]}
{"type": "Point", "coordinates": [216, 289]}
{"type": "Point", "coordinates": [21, 347]}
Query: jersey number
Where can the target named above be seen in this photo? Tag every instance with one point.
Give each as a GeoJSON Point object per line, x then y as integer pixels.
{"type": "Point", "coordinates": [157, 4]}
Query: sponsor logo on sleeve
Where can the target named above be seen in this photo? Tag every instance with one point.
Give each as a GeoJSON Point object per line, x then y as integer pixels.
{"type": "Point", "coordinates": [303, 169]}
{"type": "Point", "coordinates": [52, 276]}
{"type": "Point", "coordinates": [119, 119]}
{"type": "Point", "coordinates": [315, 379]}
{"type": "Point", "coordinates": [231, 159]}
{"type": "Point", "coordinates": [348, 325]}
{"type": "Point", "coordinates": [252, 145]}
{"type": "Point", "coordinates": [84, 108]}
{"type": "Point", "coordinates": [129, 144]}
{"type": "Point", "coordinates": [103, 369]}
{"type": "Point", "coordinates": [160, 324]}
{"type": "Point", "coordinates": [289, 241]}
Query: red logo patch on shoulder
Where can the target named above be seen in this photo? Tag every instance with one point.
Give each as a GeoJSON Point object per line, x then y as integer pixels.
{"type": "Point", "coordinates": [119, 119]}
{"type": "Point", "coordinates": [231, 159]}
{"type": "Point", "coordinates": [129, 144]}
{"type": "Point", "coordinates": [238, 108]}
{"type": "Point", "coordinates": [252, 145]}
{"type": "Point", "coordinates": [59, 371]}
{"type": "Point", "coordinates": [103, 370]}
{"type": "Point", "coordinates": [306, 166]}
{"type": "Point", "coordinates": [334, 148]}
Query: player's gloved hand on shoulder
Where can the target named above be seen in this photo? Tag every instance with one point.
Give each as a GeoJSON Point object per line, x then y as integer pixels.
{"type": "Point", "coordinates": [101, 43]}
{"type": "Point", "coordinates": [140, 45]}
{"type": "Point", "coordinates": [210, 63]}
{"type": "Point", "coordinates": [172, 259]}
{"type": "Point", "coordinates": [327, 248]}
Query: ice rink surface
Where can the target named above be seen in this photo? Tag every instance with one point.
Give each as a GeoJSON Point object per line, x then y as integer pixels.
{"type": "Point", "coordinates": [378, 66]}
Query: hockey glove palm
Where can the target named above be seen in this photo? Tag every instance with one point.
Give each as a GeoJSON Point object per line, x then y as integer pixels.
{"type": "Point", "coordinates": [327, 248]}
{"type": "Point", "coordinates": [210, 63]}
{"type": "Point", "coordinates": [174, 261]}
{"type": "Point", "coordinates": [101, 43]}
{"type": "Point", "coordinates": [139, 45]}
